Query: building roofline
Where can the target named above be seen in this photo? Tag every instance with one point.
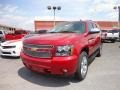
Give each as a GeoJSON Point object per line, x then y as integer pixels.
{"type": "Point", "coordinates": [73, 20]}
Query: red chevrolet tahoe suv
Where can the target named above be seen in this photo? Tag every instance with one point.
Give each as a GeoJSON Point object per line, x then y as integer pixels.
{"type": "Point", "coordinates": [64, 50]}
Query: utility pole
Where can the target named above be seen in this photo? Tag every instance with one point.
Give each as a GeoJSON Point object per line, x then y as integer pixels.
{"type": "Point", "coordinates": [54, 8]}
{"type": "Point", "coordinates": [118, 7]}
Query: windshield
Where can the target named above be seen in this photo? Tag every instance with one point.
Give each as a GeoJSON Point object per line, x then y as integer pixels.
{"type": "Point", "coordinates": [71, 27]}
{"type": "Point", "coordinates": [113, 31]}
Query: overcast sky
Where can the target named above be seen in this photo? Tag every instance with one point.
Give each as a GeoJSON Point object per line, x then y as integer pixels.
{"type": "Point", "coordinates": [22, 13]}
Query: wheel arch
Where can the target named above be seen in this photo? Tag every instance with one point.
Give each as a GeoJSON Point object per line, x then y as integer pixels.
{"type": "Point", "coordinates": [86, 49]}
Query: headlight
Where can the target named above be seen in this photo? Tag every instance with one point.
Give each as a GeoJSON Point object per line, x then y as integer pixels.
{"type": "Point", "coordinates": [64, 50]}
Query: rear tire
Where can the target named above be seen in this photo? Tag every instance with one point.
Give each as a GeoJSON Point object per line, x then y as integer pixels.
{"type": "Point", "coordinates": [82, 66]}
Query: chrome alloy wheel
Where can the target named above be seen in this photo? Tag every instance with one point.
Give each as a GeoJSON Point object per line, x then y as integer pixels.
{"type": "Point", "coordinates": [84, 66]}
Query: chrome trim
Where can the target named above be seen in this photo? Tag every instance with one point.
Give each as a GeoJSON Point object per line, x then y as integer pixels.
{"type": "Point", "coordinates": [38, 46]}
{"type": "Point", "coordinates": [31, 50]}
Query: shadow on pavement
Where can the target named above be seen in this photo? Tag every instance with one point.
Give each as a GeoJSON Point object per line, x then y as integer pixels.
{"type": "Point", "coordinates": [108, 42]}
{"type": "Point", "coordinates": [45, 80]}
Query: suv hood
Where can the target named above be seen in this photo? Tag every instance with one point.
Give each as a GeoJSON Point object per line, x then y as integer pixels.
{"type": "Point", "coordinates": [52, 38]}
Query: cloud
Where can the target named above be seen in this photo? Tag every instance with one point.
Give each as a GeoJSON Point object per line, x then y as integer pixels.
{"type": "Point", "coordinates": [11, 15]}
{"type": "Point", "coordinates": [101, 6]}
{"type": "Point", "coordinates": [103, 9]}
{"type": "Point", "coordinates": [10, 9]}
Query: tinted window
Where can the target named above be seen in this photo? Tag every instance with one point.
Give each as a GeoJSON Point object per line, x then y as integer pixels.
{"type": "Point", "coordinates": [75, 27]}
{"type": "Point", "coordinates": [113, 31]}
{"type": "Point", "coordinates": [118, 30]}
{"type": "Point", "coordinates": [20, 32]}
{"type": "Point", "coordinates": [104, 30]}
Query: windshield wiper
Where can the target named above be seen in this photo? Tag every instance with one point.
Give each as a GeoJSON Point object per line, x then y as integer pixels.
{"type": "Point", "coordinates": [52, 32]}
{"type": "Point", "coordinates": [66, 31]}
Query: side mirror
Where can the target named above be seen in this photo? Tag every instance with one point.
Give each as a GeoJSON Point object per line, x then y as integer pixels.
{"type": "Point", "coordinates": [94, 30]}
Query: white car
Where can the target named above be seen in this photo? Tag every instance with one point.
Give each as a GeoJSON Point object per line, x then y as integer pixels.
{"type": "Point", "coordinates": [11, 48]}
{"type": "Point", "coordinates": [111, 35]}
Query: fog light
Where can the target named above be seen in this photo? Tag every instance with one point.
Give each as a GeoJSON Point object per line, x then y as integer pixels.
{"type": "Point", "coordinates": [65, 70]}
{"type": "Point", "coordinates": [14, 52]}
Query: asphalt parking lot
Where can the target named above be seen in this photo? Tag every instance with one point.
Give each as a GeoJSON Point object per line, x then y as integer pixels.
{"type": "Point", "coordinates": [103, 74]}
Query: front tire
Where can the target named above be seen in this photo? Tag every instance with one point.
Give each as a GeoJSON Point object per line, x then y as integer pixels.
{"type": "Point", "coordinates": [82, 66]}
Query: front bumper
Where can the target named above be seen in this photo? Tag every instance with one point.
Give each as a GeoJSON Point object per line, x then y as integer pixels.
{"type": "Point", "coordinates": [10, 52]}
{"type": "Point", "coordinates": [55, 65]}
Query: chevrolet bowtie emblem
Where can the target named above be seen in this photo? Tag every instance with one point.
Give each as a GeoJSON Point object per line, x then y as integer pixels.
{"type": "Point", "coordinates": [34, 49]}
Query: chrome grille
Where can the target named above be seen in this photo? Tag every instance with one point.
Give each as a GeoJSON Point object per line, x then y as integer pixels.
{"type": "Point", "coordinates": [39, 51]}
{"type": "Point", "coordinates": [38, 46]}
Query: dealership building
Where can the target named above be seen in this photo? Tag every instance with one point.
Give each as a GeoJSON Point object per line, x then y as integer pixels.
{"type": "Point", "coordinates": [46, 25]}
{"type": "Point", "coordinates": [8, 29]}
